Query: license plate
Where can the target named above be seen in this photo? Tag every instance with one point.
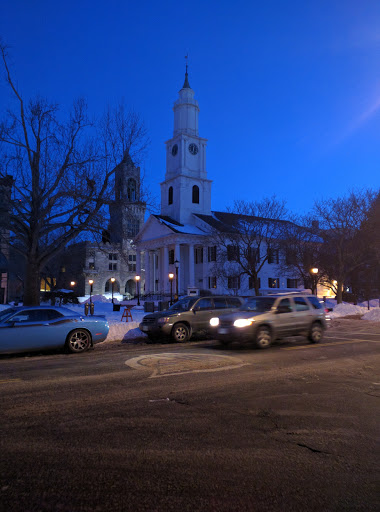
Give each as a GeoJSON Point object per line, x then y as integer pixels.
{"type": "Point", "coordinates": [222, 330]}
{"type": "Point", "coordinates": [144, 328]}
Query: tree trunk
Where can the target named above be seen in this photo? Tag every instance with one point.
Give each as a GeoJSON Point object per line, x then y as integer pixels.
{"type": "Point", "coordinates": [339, 292]}
{"type": "Point", "coordinates": [32, 284]}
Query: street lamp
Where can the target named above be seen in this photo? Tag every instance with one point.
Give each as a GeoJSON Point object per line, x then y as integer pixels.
{"type": "Point", "coordinates": [314, 272]}
{"type": "Point", "coordinates": [171, 277]}
{"type": "Point", "coordinates": [91, 282]}
{"type": "Point", "coordinates": [112, 283]}
{"type": "Point", "coordinates": [72, 283]}
{"type": "Point", "coordinates": [176, 264]}
{"type": "Point", "coordinates": [138, 289]}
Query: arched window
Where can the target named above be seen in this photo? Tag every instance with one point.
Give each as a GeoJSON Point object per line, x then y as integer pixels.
{"type": "Point", "coordinates": [195, 194]}
{"type": "Point", "coordinates": [131, 189]}
{"type": "Point", "coordinates": [170, 195]}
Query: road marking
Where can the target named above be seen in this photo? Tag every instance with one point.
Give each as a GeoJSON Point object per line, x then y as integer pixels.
{"type": "Point", "coordinates": [316, 345]}
{"type": "Point", "coordinates": [172, 363]}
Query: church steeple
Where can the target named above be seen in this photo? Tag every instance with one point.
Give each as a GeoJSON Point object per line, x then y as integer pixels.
{"type": "Point", "coordinates": [186, 84]}
{"type": "Point", "coordinates": [186, 189]}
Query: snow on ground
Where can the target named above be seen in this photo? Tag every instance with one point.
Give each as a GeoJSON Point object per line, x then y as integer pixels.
{"type": "Point", "coordinates": [130, 332]}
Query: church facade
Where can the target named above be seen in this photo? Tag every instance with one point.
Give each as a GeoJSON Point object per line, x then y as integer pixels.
{"type": "Point", "coordinates": [178, 241]}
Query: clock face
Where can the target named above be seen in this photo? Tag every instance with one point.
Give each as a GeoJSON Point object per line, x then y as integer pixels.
{"type": "Point", "coordinates": [193, 148]}
{"type": "Point", "coordinates": [174, 150]}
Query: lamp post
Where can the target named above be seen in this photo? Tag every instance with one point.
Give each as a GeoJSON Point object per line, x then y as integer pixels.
{"type": "Point", "coordinates": [176, 264]}
{"type": "Point", "coordinates": [171, 277]}
{"type": "Point", "coordinates": [314, 278]}
{"type": "Point", "coordinates": [112, 283]}
{"type": "Point", "coordinates": [138, 289]}
{"type": "Point", "coordinates": [91, 282]}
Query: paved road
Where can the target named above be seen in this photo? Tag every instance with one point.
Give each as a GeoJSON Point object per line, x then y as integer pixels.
{"type": "Point", "coordinates": [195, 427]}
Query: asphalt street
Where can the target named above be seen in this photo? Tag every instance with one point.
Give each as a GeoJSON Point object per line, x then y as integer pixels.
{"type": "Point", "coordinates": [195, 427]}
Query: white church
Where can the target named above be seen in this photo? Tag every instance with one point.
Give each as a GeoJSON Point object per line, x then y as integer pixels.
{"type": "Point", "coordinates": [177, 241]}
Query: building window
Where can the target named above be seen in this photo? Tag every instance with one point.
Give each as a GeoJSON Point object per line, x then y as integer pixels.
{"type": "Point", "coordinates": [132, 267]}
{"type": "Point", "coordinates": [251, 284]}
{"type": "Point", "coordinates": [171, 257]}
{"type": "Point", "coordinates": [273, 255]}
{"type": "Point", "coordinates": [212, 282]}
{"type": "Point", "coordinates": [131, 257]}
{"type": "Point", "coordinates": [195, 194]}
{"type": "Point", "coordinates": [253, 255]}
{"type": "Point", "coordinates": [112, 266]}
{"type": "Point", "coordinates": [91, 265]}
{"type": "Point", "coordinates": [133, 227]}
{"type": "Point", "coordinates": [234, 282]}
{"type": "Point", "coordinates": [290, 257]}
{"type": "Point", "coordinates": [233, 252]}
{"type": "Point", "coordinates": [198, 254]}
{"type": "Point", "coordinates": [273, 282]}
{"type": "Point", "coordinates": [170, 195]}
{"type": "Point", "coordinates": [212, 253]}
{"type": "Point", "coordinates": [291, 283]}
{"type": "Point", "coordinates": [112, 257]}
{"type": "Point", "coordinates": [131, 190]}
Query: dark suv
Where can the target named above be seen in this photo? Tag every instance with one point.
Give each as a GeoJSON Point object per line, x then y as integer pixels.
{"type": "Point", "coordinates": [263, 319]}
{"type": "Point", "coordinates": [187, 316]}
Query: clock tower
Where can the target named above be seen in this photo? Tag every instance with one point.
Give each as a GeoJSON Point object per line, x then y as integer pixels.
{"type": "Point", "coordinates": [186, 189]}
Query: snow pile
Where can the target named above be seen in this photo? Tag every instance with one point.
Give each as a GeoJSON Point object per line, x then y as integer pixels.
{"type": "Point", "coordinates": [345, 309]}
{"type": "Point", "coordinates": [373, 315]}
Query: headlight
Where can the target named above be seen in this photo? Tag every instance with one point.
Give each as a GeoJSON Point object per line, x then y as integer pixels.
{"type": "Point", "coordinates": [214, 321]}
{"type": "Point", "coordinates": [242, 322]}
{"type": "Point", "coordinates": [163, 320]}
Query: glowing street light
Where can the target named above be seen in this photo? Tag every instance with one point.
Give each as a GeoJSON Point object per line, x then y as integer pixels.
{"type": "Point", "coordinates": [171, 277]}
{"type": "Point", "coordinates": [314, 280]}
{"type": "Point", "coordinates": [112, 283]}
{"type": "Point", "coordinates": [138, 289]}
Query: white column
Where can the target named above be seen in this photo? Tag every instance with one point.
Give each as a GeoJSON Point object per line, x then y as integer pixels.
{"type": "Point", "coordinates": [165, 270]}
{"type": "Point", "coordinates": [191, 265]}
{"type": "Point", "coordinates": [205, 268]}
{"type": "Point", "coordinates": [147, 272]}
{"type": "Point", "coordinates": [138, 262]}
{"type": "Point", "coordinates": [177, 257]}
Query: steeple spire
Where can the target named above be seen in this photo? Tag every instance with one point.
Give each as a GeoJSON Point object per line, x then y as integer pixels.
{"type": "Point", "coordinates": [186, 84]}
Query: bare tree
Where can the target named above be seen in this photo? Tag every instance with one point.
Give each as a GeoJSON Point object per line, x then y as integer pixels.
{"type": "Point", "coordinates": [63, 171]}
{"type": "Point", "coordinates": [301, 245]}
{"type": "Point", "coordinates": [246, 237]}
{"type": "Point", "coordinates": [345, 249]}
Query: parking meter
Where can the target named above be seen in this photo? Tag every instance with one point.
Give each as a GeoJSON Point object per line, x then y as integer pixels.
{"type": "Point", "coordinates": [86, 309]}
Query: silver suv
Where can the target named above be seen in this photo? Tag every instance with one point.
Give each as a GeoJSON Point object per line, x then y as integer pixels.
{"type": "Point", "coordinates": [187, 316]}
{"type": "Point", "coordinates": [263, 319]}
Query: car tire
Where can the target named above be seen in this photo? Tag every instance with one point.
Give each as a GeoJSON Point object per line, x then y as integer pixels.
{"type": "Point", "coordinates": [78, 340]}
{"type": "Point", "coordinates": [263, 338]}
{"type": "Point", "coordinates": [180, 333]}
{"type": "Point", "coordinates": [316, 333]}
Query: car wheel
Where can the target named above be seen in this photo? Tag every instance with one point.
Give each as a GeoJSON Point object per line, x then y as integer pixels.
{"type": "Point", "coordinates": [180, 333]}
{"type": "Point", "coordinates": [316, 333]}
{"type": "Point", "coordinates": [78, 341]}
{"type": "Point", "coordinates": [263, 337]}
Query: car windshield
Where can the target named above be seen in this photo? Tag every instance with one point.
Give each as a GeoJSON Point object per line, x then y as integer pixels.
{"type": "Point", "coordinates": [183, 304]}
{"type": "Point", "coordinates": [259, 304]}
{"type": "Point", "coordinates": [6, 313]}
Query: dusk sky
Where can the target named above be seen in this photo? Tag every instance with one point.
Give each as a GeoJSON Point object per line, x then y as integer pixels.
{"type": "Point", "coordinates": [289, 91]}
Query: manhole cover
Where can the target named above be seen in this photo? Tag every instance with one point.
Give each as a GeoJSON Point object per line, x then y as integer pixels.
{"type": "Point", "coordinates": [165, 364]}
